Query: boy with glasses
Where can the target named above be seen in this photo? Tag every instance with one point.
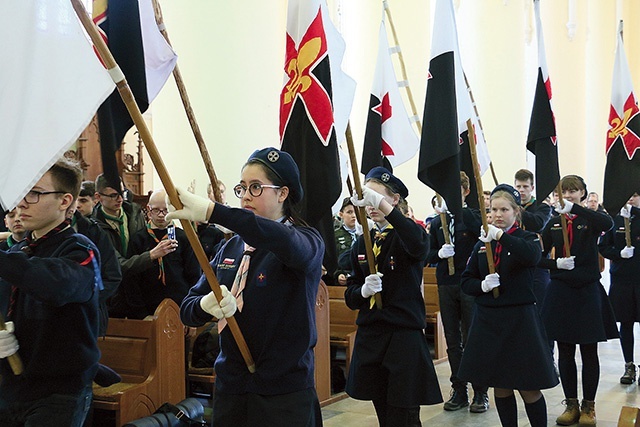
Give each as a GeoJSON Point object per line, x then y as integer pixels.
{"type": "Point", "coordinates": [49, 286]}
{"type": "Point", "coordinates": [123, 218]}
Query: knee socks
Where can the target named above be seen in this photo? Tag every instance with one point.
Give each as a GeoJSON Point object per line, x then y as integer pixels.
{"type": "Point", "coordinates": [626, 340]}
{"type": "Point", "coordinates": [507, 410]}
{"type": "Point", "coordinates": [537, 412]}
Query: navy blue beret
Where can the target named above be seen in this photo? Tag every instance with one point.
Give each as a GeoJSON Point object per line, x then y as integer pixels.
{"type": "Point", "coordinates": [283, 165]}
{"type": "Point", "coordinates": [509, 189]}
{"type": "Point", "coordinates": [389, 179]}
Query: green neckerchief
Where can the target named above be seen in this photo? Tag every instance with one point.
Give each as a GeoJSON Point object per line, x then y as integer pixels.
{"type": "Point", "coordinates": [121, 221]}
{"type": "Point", "coordinates": [529, 203]}
{"type": "Point", "coordinates": [161, 274]}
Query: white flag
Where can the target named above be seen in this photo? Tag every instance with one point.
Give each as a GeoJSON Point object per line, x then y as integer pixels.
{"type": "Point", "coordinates": [51, 84]}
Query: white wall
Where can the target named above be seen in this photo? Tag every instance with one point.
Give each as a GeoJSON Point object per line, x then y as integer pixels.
{"type": "Point", "coordinates": [231, 55]}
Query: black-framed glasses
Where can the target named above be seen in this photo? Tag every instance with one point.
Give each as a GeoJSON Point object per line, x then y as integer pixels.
{"type": "Point", "coordinates": [112, 196]}
{"type": "Point", "coordinates": [157, 211]}
{"type": "Point", "coordinates": [255, 189]}
{"type": "Point", "coordinates": [33, 196]}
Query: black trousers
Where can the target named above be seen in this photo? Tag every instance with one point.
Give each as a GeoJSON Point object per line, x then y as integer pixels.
{"type": "Point", "coordinates": [298, 409]}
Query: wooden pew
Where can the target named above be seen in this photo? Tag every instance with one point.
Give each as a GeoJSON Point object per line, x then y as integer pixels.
{"type": "Point", "coordinates": [432, 306]}
{"type": "Point", "coordinates": [149, 356]}
{"type": "Point", "coordinates": [342, 322]}
{"type": "Point", "coordinates": [322, 351]}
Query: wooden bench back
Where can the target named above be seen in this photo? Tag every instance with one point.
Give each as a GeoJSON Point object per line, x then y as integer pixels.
{"type": "Point", "coordinates": [129, 348]}
{"type": "Point", "coordinates": [431, 300]}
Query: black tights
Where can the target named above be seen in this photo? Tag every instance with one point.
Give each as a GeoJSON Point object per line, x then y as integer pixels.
{"type": "Point", "coordinates": [626, 340]}
{"type": "Point", "coordinates": [393, 416]}
{"type": "Point", "coordinates": [569, 370]}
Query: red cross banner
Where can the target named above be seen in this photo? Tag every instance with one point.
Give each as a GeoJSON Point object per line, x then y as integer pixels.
{"type": "Point", "coordinates": [315, 103]}
{"type": "Point", "coordinates": [389, 139]}
{"type": "Point", "coordinates": [622, 172]}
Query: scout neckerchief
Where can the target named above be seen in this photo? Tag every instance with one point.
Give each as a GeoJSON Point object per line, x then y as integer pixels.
{"type": "Point", "coordinates": [570, 217]}
{"type": "Point", "coordinates": [498, 251]}
{"type": "Point", "coordinates": [352, 233]}
{"type": "Point", "coordinates": [525, 206]}
{"type": "Point", "coordinates": [378, 241]}
{"type": "Point", "coordinates": [240, 281]}
{"type": "Point", "coordinates": [121, 222]}
{"type": "Point", "coordinates": [29, 249]}
{"type": "Point", "coordinates": [161, 274]}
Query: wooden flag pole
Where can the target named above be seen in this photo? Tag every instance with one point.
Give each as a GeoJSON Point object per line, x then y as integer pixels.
{"type": "Point", "coordinates": [446, 235]}
{"type": "Point", "coordinates": [563, 221]}
{"type": "Point", "coordinates": [414, 110]}
{"type": "Point", "coordinates": [182, 89]}
{"type": "Point", "coordinates": [132, 107]}
{"type": "Point", "coordinates": [627, 232]}
{"type": "Point", "coordinates": [362, 216]}
{"type": "Point", "coordinates": [483, 212]}
{"type": "Point", "coordinates": [475, 110]}
{"type": "Point", "coordinates": [14, 360]}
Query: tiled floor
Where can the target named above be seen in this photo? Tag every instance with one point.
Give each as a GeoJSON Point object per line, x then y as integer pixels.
{"type": "Point", "coordinates": [610, 398]}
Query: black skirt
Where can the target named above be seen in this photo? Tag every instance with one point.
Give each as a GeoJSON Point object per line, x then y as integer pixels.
{"type": "Point", "coordinates": [508, 348]}
{"type": "Point", "coordinates": [624, 295]}
{"type": "Point", "coordinates": [578, 315]}
{"type": "Point", "coordinates": [393, 365]}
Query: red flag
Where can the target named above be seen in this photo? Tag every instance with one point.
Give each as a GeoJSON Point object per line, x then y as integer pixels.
{"type": "Point", "coordinates": [542, 140]}
{"type": "Point", "coordinates": [389, 138]}
{"type": "Point", "coordinates": [622, 172]}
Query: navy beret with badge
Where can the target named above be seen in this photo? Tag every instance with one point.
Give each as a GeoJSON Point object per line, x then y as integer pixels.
{"type": "Point", "coordinates": [383, 175]}
{"type": "Point", "coordinates": [509, 189]}
{"type": "Point", "coordinates": [283, 165]}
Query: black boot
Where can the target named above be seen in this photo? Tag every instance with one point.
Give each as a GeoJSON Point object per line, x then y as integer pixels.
{"type": "Point", "coordinates": [480, 402]}
{"type": "Point", "coordinates": [459, 399]}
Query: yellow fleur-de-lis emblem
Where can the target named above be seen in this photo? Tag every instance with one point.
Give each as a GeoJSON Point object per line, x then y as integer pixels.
{"type": "Point", "coordinates": [619, 125]}
{"type": "Point", "coordinates": [298, 69]}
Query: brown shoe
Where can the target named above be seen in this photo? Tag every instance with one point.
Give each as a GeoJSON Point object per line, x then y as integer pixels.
{"type": "Point", "coordinates": [587, 414]}
{"type": "Point", "coordinates": [571, 414]}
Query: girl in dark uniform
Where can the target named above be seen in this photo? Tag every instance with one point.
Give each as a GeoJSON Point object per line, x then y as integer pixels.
{"type": "Point", "coordinates": [576, 310]}
{"type": "Point", "coordinates": [625, 288]}
{"type": "Point", "coordinates": [507, 346]}
{"type": "Point", "coordinates": [276, 305]}
{"type": "Point", "coordinates": [391, 364]}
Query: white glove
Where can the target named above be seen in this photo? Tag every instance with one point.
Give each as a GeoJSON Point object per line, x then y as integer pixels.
{"type": "Point", "coordinates": [625, 212]}
{"type": "Point", "coordinates": [490, 281]}
{"type": "Point", "coordinates": [442, 208]}
{"type": "Point", "coordinates": [226, 308]}
{"type": "Point", "coordinates": [369, 198]}
{"type": "Point", "coordinates": [8, 342]}
{"type": "Point", "coordinates": [563, 210]}
{"type": "Point", "coordinates": [627, 252]}
{"type": "Point", "coordinates": [446, 251]}
{"type": "Point", "coordinates": [566, 263]}
{"type": "Point", "coordinates": [372, 285]}
{"type": "Point", "coordinates": [194, 208]}
{"type": "Point", "coordinates": [491, 234]}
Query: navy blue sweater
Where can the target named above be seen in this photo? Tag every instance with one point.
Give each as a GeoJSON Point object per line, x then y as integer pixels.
{"type": "Point", "coordinates": [521, 252]}
{"type": "Point", "coordinates": [56, 317]}
{"type": "Point", "coordinates": [587, 228]}
{"type": "Point", "coordinates": [614, 241]}
{"type": "Point", "coordinates": [401, 261]}
{"type": "Point", "coordinates": [278, 318]}
{"type": "Point", "coordinates": [465, 238]}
